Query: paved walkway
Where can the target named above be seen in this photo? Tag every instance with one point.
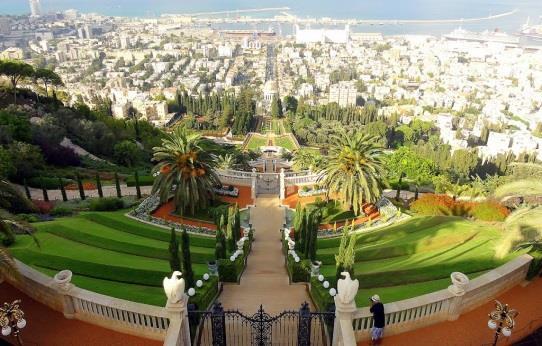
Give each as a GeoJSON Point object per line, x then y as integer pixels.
{"type": "Point", "coordinates": [48, 327]}
{"type": "Point", "coordinates": [108, 191]}
{"type": "Point", "coordinates": [265, 280]}
{"type": "Point", "coordinates": [471, 328]}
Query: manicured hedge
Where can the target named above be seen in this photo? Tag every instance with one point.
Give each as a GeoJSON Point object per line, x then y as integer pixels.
{"type": "Point", "coordinates": [206, 294]}
{"type": "Point", "coordinates": [106, 204]}
{"type": "Point", "coordinates": [320, 295]}
{"type": "Point", "coordinates": [96, 270]}
{"type": "Point", "coordinates": [231, 271]}
{"type": "Point", "coordinates": [50, 183]}
{"type": "Point", "coordinates": [147, 231]}
{"type": "Point", "coordinates": [433, 204]}
{"type": "Point", "coordinates": [144, 180]}
{"type": "Point", "coordinates": [299, 272]}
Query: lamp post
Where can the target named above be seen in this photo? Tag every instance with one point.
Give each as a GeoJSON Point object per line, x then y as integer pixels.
{"type": "Point", "coordinates": [12, 320]}
{"type": "Point", "coordinates": [502, 320]}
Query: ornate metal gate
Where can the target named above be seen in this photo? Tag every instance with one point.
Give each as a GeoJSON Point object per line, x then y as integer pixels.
{"type": "Point", "coordinates": [220, 328]}
{"type": "Point", "coordinates": [268, 183]}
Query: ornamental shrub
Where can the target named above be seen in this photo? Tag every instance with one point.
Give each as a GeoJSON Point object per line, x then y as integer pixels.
{"type": "Point", "coordinates": [106, 204]}
{"type": "Point", "coordinates": [433, 204]}
{"type": "Point", "coordinates": [489, 211]}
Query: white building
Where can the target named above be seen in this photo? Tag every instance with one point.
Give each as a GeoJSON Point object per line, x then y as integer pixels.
{"type": "Point", "coordinates": [343, 93]}
{"type": "Point", "coordinates": [497, 143]}
{"type": "Point", "coordinates": [35, 8]}
{"type": "Point", "coordinates": [304, 36]}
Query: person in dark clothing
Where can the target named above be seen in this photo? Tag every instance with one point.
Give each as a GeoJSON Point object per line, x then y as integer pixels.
{"type": "Point", "coordinates": [377, 309]}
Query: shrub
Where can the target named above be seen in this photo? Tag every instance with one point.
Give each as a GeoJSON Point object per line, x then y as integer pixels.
{"type": "Point", "coordinates": [230, 271]}
{"type": "Point", "coordinates": [60, 156]}
{"type": "Point", "coordinates": [44, 207]}
{"type": "Point", "coordinates": [300, 271]}
{"type": "Point", "coordinates": [489, 211]}
{"type": "Point", "coordinates": [61, 211]}
{"type": "Point", "coordinates": [144, 180]}
{"type": "Point", "coordinates": [432, 204]}
{"type": "Point", "coordinates": [49, 183]}
{"type": "Point", "coordinates": [206, 294]}
{"type": "Point", "coordinates": [27, 218]}
{"type": "Point", "coordinates": [106, 204]}
{"type": "Point", "coordinates": [26, 158]}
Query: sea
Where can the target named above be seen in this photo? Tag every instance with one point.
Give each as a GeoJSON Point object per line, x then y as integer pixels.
{"type": "Point", "coordinates": [343, 9]}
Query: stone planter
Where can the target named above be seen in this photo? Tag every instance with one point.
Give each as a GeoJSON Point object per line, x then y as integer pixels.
{"type": "Point", "coordinates": [212, 267]}
{"type": "Point", "coordinates": [63, 280]}
{"type": "Point", "coordinates": [460, 282]}
{"type": "Point", "coordinates": [315, 268]}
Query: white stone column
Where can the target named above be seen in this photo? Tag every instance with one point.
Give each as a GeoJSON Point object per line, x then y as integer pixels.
{"type": "Point", "coordinates": [345, 306]}
{"type": "Point", "coordinates": [178, 332]}
{"type": "Point", "coordinates": [62, 284]}
{"type": "Point", "coordinates": [282, 185]}
{"type": "Point", "coordinates": [253, 185]}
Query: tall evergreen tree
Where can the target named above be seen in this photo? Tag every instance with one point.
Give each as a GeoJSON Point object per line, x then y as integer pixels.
{"type": "Point", "coordinates": [99, 186]}
{"type": "Point", "coordinates": [174, 260]}
{"type": "Point", "coordinates": [188, 273]}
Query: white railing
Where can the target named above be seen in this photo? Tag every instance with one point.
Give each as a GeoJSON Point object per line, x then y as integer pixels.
{"type": "Point", "coordinates": [300, 180]}
{"type": "Point", "coordinates": [235, 177]}
{"type": "Point", "coordinates": [124, 316]}
{"type": "Point", "coordinates": [440, 306]}
{"type": "Point", "coordinates": [118, 314]}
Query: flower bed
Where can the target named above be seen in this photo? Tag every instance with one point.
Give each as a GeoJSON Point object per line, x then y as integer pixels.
{"type": "Point", "coordinates": [86, 186]}
{"type": "Point", "coordinates": [231, 191]}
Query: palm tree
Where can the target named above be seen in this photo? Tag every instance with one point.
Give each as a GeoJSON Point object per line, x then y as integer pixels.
{"type": "Point", "coordinates": [7, 264]}
{"type": "Point", "coordinates": [185, 170]}
{"type": "Point", "coordinates": [353, 170]}
{"type": "Point", "coordinates": [225, 161]}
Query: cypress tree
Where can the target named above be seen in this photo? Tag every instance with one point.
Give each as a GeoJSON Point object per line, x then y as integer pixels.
{"type": "Point", "coordinates": [62, 189]}
{"type": "Point", "coordinates": [117, 185]}
{"type": "Point", "coordinates": [99, 186]}
{"type": "Point", "coordinates": [220, 250]}
{"type": "Point", "coordinates": [174, 260]}
{"type": "Point", "coordinates": [237, 228]}
{"type": "Point", "coordinates": [138, 189]}
{"type": "Point", "coordinates": [298, 221]}
{"type": "Point", "coordinates": [44, 190]}
{"type": "Point", "coordinates": [188, 273]}
{"type": "Point", "coordinates": [303, 231]}
{"type": "Point", "coordinates": [230, 238]}
{"type": "Point", "coordinates": [80, 186]}
{"type": "Point", "coordinates": [26, 189]}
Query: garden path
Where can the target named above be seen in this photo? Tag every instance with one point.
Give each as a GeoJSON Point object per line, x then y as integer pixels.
{"type": "Point", "coordinates": [265, 280]}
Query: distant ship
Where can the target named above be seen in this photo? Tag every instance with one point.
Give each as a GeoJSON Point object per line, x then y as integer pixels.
{"type": "Point", "coordinates": [533, 32]}
{"type": "Point", "coordinates": [485, 36]}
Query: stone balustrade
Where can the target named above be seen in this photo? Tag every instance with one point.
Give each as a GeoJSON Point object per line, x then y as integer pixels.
{"type": "Point", "coordinates": [444, 305]}
{"type": "Point", "coordinates": [124, 316]}
{"type": "Point", "coordinates": [301, 180]}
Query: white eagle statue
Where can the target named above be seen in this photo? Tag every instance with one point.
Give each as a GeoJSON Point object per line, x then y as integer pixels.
{"type": "Point", "coordinates": [174, 287]}
{"type": "Point", "coordinates": [347, 289]}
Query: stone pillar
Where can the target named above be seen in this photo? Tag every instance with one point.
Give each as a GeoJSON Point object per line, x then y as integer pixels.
{"type": "Point", "coordinates": [178, 332]}
{"type": "Point", "coordinates": [345, 306]}
{"type": "Point", "coordinates": [62, 284]}
{"type": "Point", "coordinates": [282, 185]}
{"type": "Point", "coordinates": [458, 288]}
{"type": "Point", "coordinates": [253, 185]}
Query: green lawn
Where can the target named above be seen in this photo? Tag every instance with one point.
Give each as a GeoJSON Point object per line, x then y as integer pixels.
{"type": "Point", "coordinates": [285, 142]}
{"type": "Point", "coordinates": [109, 254]}
{"type": "Point", "coordinates": [255, 142]}
{"type": "Point", "coordinates": [417, 256]}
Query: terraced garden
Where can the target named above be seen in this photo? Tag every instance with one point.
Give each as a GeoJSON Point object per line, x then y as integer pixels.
{"type": "Point", "coordinates": [417, 256]}
{"type": "Point", "coordinates": [114, 255]}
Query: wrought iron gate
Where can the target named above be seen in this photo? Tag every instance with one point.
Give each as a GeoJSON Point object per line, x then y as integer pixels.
{"type": "Point", "coordinates": [268, 184]}
{"type": "Point", "coordinates": [220, 328]}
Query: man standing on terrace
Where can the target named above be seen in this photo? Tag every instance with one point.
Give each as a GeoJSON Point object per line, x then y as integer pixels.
{"type": "Point", "coordinates": [377, 309]}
